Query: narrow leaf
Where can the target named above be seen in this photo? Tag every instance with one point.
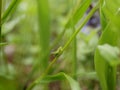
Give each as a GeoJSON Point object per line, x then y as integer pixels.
{"type": "Point", "coordinates": [79, 12]}
{"type": "Point", "coordinates": [61, 76]}
{"type": "Point", "coordinates": [9, 9]}
{"type": "Point", "coordinates": [110, 53]}
{"type": "Point", "coordinates": [44, 31]}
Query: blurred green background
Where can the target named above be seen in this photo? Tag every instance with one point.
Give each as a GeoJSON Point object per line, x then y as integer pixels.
{"type": "Point", "coordinates": [21, 54]}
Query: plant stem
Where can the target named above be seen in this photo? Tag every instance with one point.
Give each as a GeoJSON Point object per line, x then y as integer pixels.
{"type": "Point", "coordinates": [74, 50]}
{"type": "Point", "coordinates": [75, 57]}
{"type": "Point", "coordinates": [0, 19]}
{"type": "Point", "coordinates": [64, 47]}
{"type": "Point", "coordinates": [0, 26]}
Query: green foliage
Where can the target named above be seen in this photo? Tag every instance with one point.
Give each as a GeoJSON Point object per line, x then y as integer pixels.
{"type": "Point", "coordinates": [78, 13]}
{"type": "Point", "coordinates": [29, 27]}
{"type": "Point", "coordinates": [9, 10]}
{"type": "Point", "coordinates": [44, 31]}
{"type": "Point", "coordinates": [61, 76]}
{"type": "Point", "coordinates": [106, 56]}
{"type": "Point", "coordinates": [111, 57]}
{"type": "Point", "coordinates": [0, 9]}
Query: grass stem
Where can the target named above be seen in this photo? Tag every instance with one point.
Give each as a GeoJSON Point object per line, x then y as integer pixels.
{"type": "Point", "coordinates": [0, 20]}
{"type": "Point", "coordinates": [74, 50]}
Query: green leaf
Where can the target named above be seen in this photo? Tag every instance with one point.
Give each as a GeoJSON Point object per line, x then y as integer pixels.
{"type": "Point", "coordinates": [110, 54]}
{"type": "Point", "coordinates": [78, 14]}
{"type": "Point", "coordinates": [110, 11]}
{"type": "Point", "coordinates": [9, 10]}
{"type": "Point", "coordinates": [105, 71]}
{"type": "Point", "coordinates": [106, 58]}
{"type": "Point", "coordinates": [44, 32]}
{"type": "Point", "coordinates": [61, 76]}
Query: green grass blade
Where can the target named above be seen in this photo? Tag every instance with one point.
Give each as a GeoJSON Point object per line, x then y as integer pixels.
{"type": "Point", "coordinates": [61, 76]}
{"type": "Point", "coordinates": [0, 20]}
{"type": "Point", "coordinates": [44, 31]}
{"type": "Point", "coordinates": [9, 10]}
{"type": "Point", "coordinates": [74, 49]}
{"type": "Point", "coordinates": [79, 12]}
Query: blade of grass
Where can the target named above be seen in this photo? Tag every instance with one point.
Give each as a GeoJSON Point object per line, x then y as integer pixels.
{"type": "Point", "coordinates": [9, 10]}
{"type": "Point", "coordinates": [58, 76]}
{"type": "Point", "coordinates": [79, 12]}
{"type": "Point", "coordinates": [74, 49]}
{"type": "Point", "coordinates": [103, 21]}
{"type": "Point", "coordinates": [0, 20]}
{"type": "Point", "coordinates": [75, 55]}
{"type": "Point", "coordinates": [44, 31]}
{"type": "Point", "coordinates": [61, 76]}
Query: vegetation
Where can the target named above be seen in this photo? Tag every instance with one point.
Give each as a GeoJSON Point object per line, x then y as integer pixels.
{"type": "Point", "coordinates": [59, 44]}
